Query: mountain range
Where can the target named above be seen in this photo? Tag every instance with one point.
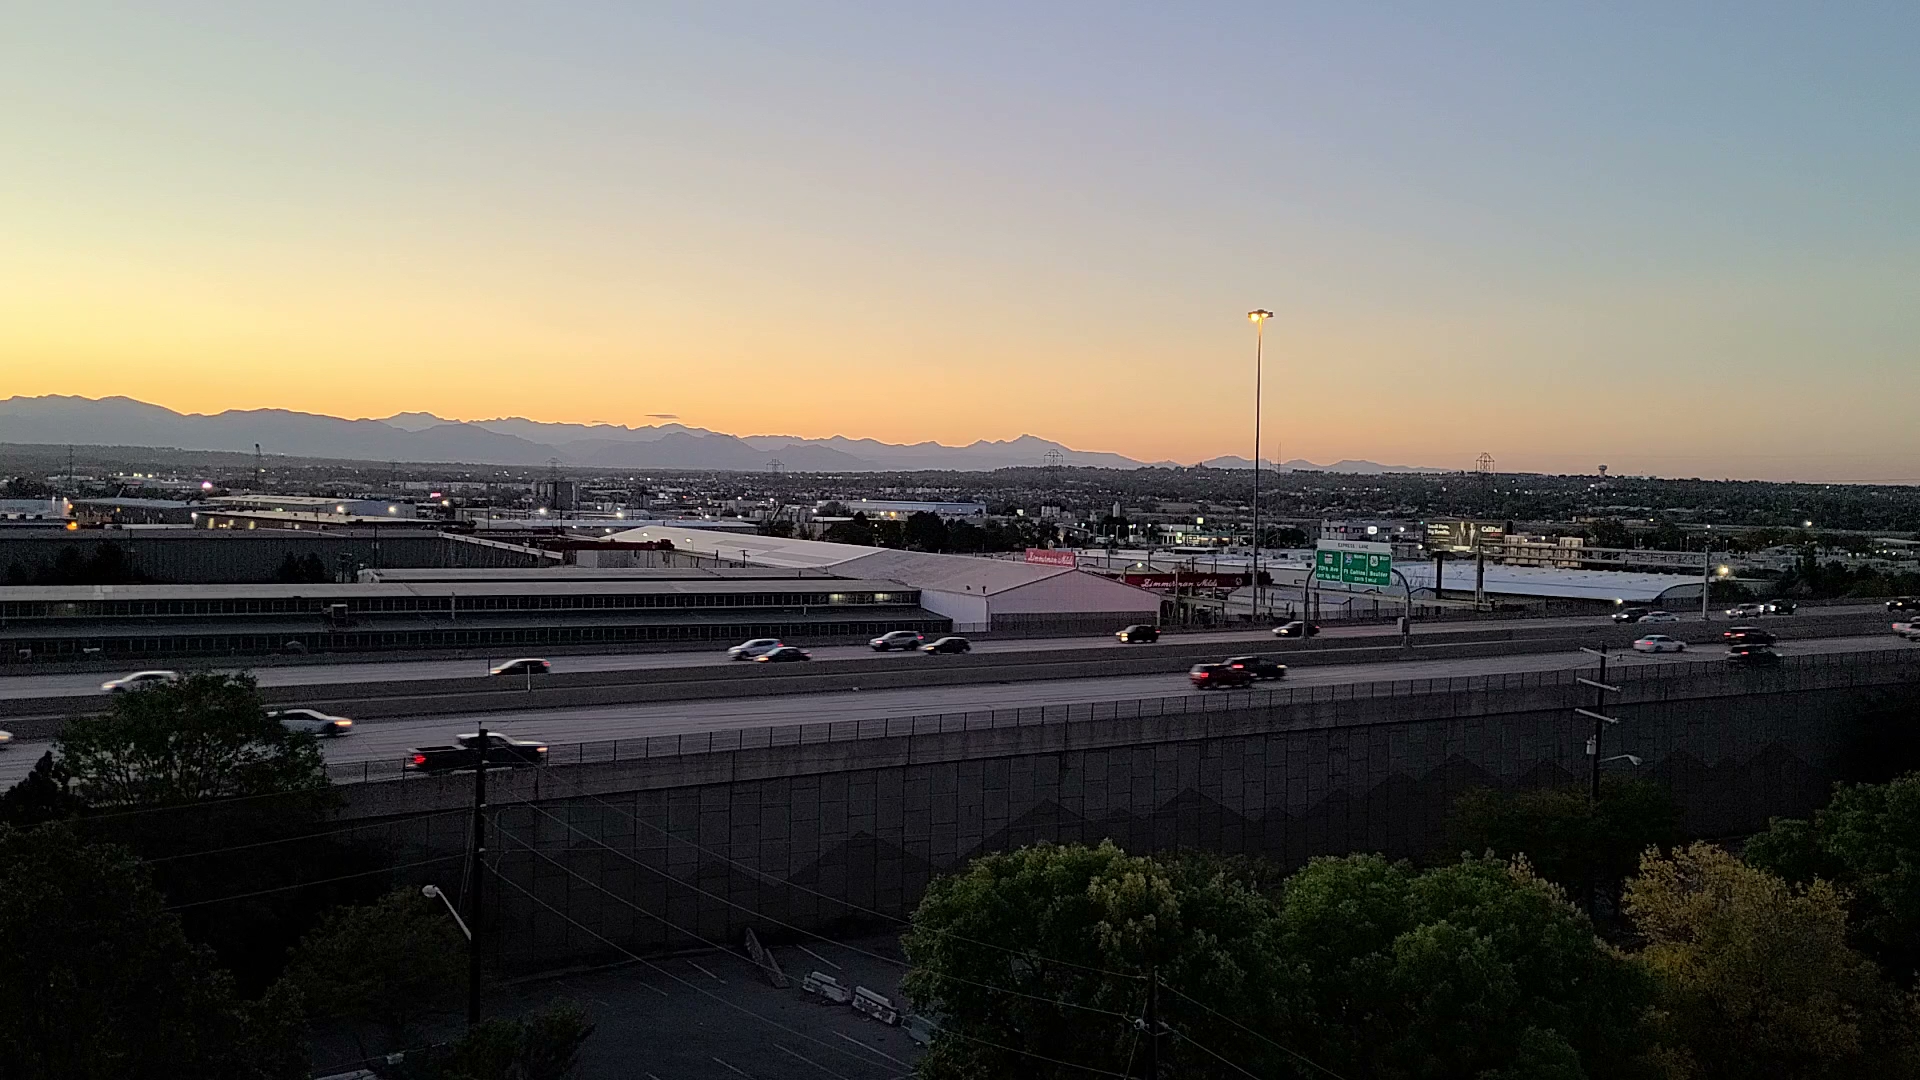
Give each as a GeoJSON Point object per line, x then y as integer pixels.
{"type": "Point", "coordinates": [418, 436]}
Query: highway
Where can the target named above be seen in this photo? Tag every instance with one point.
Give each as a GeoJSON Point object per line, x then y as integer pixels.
{"type": "Point", "coordinates": [270, 674]}
{"type": "Point", "coordinates": [388, 740]}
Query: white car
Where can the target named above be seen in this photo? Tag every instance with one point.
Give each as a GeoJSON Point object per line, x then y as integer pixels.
{"type": "Point", "coordinates": [1908, 630]}
{"type": "Point", "coordinates": [140, 680]}
{"type": "Point", "coordinates": [755, 649]}
{"type": "Point", "coordinates": [1658, 643]}
{"type": "Point", "coordinates": [1659, 616]}
{"type": "Point", "coordinates": [312, 722]}
{"type": "Point", "coordinates": [5, 738]}
{"type": "Point", "coordinates": [1746, 611]}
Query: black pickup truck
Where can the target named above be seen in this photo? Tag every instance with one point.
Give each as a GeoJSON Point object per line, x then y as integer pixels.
{"type": "Point", "coordinates": [503, 752]}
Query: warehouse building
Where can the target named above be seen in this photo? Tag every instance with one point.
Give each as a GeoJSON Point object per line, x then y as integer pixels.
{"type": "Point", "coordinates": [1003, 596]}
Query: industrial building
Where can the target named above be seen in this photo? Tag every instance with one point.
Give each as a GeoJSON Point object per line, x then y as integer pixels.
{"type": "Point", "coordinates": [978, 594]}
{"type": "Point", "coordinates": [513, 610]}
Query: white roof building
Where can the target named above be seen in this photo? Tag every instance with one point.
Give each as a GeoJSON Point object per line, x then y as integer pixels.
{"type": "Point", "coordinates": [976, 592]}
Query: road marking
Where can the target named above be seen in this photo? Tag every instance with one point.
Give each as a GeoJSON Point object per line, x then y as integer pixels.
{"type": "Point", "coordinates": [707, 973]}
{"type": "Point", "coordinates": [820, 958]}
{"type": "Point", "coordinates": [730, 1068]}
{"type": "Point", "coordinates": [872, 1050]}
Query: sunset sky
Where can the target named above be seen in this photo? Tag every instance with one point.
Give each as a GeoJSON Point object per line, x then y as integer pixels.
{"type": "Point", "coordinates": [1677, 238]}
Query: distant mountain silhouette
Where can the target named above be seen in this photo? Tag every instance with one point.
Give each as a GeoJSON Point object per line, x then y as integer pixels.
{"type": "Point", "coordinates": [1344, 465]}
{"type": "Point", "coordinates": [421, 436]}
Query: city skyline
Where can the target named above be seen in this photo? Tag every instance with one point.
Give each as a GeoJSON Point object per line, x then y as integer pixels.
{"type": "Point", "coordinates": [1665, 240]}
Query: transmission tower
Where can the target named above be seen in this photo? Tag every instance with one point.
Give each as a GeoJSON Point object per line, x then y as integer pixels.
{"type": "Point", "coordinates": [776, 466]}
{"type": "Point", "coordinates": [1484, 464]}
{"type": "Point", "coordinates": [1053, 460]}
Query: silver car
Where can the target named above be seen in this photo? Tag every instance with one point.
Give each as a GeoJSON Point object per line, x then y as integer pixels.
{"type": "Point", "coordinates": [755, 649]}
{"type": "Point", "coordinates": [312, 722]}
{"type": "Point", "coordinates": [140, 680]}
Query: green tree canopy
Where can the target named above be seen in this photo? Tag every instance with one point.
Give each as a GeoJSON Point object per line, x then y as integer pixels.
{"type": "Point", "coordinates": [205, 737]}
{"type": "Point", "coordinates": [391, 963]}
{"type": "Point", "coordinates": [1867, 840]}
{"type": "Point", "coordinates": [40, 796]}
{"type": "Point", "coordinates": [1755, 977]}
{"type": "Point", "coordinates": [97, 981]}
{"type": "Point", "coordinates": [1568, 838]}
{"type": "Point", "coordinates": [543, 1045]}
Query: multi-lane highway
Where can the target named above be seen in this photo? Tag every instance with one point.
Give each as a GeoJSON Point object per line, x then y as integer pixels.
{"type": "Point", "coordinates": [323, 674]}
{"type": "Point", "coordinates": [388, 740]}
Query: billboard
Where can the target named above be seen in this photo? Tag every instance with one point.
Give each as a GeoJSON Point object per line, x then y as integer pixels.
{"type": "Point", "coordinates": [1354, 562]}
{"type": "Point", "coordinates": [1464, 535]}
{"type": "Point", "coordinates": [1052, 557]}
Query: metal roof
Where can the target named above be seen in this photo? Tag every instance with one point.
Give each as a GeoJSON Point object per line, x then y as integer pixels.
{"type": "Point", "coordinates": [330, 591]}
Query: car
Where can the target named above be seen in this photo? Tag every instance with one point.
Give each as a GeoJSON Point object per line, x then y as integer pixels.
{"type": "Point", "coordinates": [5, 738]}
{"type": "Point", "coordinates": [1781, 607]}
{"type": "Point", "coordinates": [1903, 603]}
{"type": "Point", "coordinates": [1746, 611]}
{"type": "Point", "coordinates": [1259, 667]}
{"type": "Point", "coordinates": [947, 645]}
{"type": "Point", "coordinates": [1630, 614]}
{"type": "Point", "coordinates": [1217, 677]}
{"type": "Point", "coordinates": [1139, 634]}
{"type": "Point", "coordinates": [1753, 655]}
{"type": "Point", "coordinates": [1296, 628]}
{"type": "Point", "coordinates": [1659, 617]}
{"type": "Point", "coordinates": [1747, 635]}
{"type": "Point", "coordinates": [1909, 630]}
{"type": "Point", "coordinates": [525, 665]}
{"type": "Point", "coordinates": [140, 680]}
{"type": "Point", "coordinates": [785, 654]}
{"type": "Point", "coordinates": [899, 639]}
{"type": "Point", "coordinates": [312, 722]}
{"type": "Point", "coordinates": [502, 751]}
{"type": "Point", "coordinates": [1659, 643]}
{"type": "Point", "coordinates": [748, 650]}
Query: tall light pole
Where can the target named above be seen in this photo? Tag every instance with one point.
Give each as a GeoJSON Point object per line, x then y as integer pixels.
{"type": "Point", "coordinates": [1258, 317]}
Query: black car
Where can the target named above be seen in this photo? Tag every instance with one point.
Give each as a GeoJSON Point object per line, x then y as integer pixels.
{"type": "Point", "coordinates": [1259, 667]}
{"type": "Point", "coordinates": [1752, 655]}
{"type": "Point", "coordinates": [1630, 614]}
{"type": "Point", "coordinates": [1139, 633]}
{"type": "Point", "coordinates": [947, 645]}
{"type": "Point", "coordinates": [898, 639]}
{"type": "Point", "coordinates": [785, 654]}
{"type": "Point", "coordinates": [1903, 603]}
{"type": "Point", "coordinates": [1781, 607]}
{"type": "Point", "coordinates": [1747, 635]}
{"type": "Point", "coordinates": [1296, 628]}
{"type": "Point", "coordinates": [502, 750]}
{"type": "Point", "coordinates": [1217, 677]}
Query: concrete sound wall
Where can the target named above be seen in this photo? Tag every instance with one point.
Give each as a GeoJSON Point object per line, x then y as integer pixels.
{"type": "Point", "coordinates": [821, 829]}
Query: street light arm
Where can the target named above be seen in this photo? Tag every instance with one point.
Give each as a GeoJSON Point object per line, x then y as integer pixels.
{"type": "Point", "coordinates": [432, 891]}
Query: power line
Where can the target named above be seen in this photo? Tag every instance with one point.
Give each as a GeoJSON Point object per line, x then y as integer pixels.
{"type": "Point", "coordinates": [1222, 1059]}
{"type": "Point", "coordinates": [1297, 1056]}
{"type": "Point", "coordinates": [809, 933]}
{"type": "Point", "coordinates": [317, 881]}
{"type": "Point", "coordinates": [306, 836]}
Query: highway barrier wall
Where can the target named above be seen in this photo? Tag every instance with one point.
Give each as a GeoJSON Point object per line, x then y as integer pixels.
{"type": "Point", "coordinates": [828, 826]}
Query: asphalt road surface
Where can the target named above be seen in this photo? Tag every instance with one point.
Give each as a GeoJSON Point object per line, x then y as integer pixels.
{"type": "Point", "coordinates": [399, 670]}
{"type": "Point", "coordinates": [389, 740]}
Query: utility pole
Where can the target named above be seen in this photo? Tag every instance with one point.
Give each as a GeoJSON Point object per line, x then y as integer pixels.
{"type": "Point", "coordinates": [1259, 317]}
{"type": "Point", "coordinates": [1706, 582]}
{"type": "Point", "coordinates": [1600, 721]}
{"type": "Point", "coordinates": [1152, 1023]}
{"type": "Point", "coordinates": [476, 878]}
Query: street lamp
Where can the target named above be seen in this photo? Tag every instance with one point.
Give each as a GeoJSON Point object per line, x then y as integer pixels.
{"type": "Point", "coordinates": [1258, 317]}
{"type": "Point", "coordinates": [432, 892]}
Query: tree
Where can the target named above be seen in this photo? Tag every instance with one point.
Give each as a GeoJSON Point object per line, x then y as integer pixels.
{"type": "Point", "coordinates": [23, 487]}
{"type": "Point", "coordinates": [1867, 839]}
{"type": "Point", "coordinates": [855, 530]}
{"type": "Point", "coordinates": [97, 981]}
{"type": "Point", "coordinates": [391, 963]}
{"type": "Point", "coordinates": [1755, 977]}
{"type": "Point", "coordinates": [1566, 837]}
{"type": "Point", "coordinates": [1283, 536]}
{"type": "Point", "coordinates": [40, 796]}
{"type": "Point", "coordinates": [925, 531]}
{"type": "Point", "coordinates": [1028, 949]}
{"type": "Point", "coordinates": [1478, 969]}
{"type": "Point", "coordinates": [540, 1046]}
{"type": "Point", "coordinates": [205, 737]}
{"type": "Point", "coordinates": [1611, 533]}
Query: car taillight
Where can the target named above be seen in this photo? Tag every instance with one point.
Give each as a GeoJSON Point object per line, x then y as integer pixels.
{"type": "Point", "coordinates": [419, 759]}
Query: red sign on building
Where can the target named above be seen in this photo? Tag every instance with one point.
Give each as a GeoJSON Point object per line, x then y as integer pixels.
{"type": "Point", "coordinates": [1051, 557]}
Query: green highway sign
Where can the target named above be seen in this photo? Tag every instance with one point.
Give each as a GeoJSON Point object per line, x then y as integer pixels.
{"type": "Point", "coordinates": [1354, 562]}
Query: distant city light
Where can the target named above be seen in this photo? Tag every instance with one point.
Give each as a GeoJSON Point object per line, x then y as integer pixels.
{"type": "Point", "coordinates": [206, 485]}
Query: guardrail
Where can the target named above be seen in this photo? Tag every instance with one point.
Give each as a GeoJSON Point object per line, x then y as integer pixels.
{"type": "Point", "coordinates": [1861, 667]}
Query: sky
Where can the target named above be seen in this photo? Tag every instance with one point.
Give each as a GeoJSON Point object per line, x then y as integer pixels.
{"type": "Point", "coordinates": [1674, 238]}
